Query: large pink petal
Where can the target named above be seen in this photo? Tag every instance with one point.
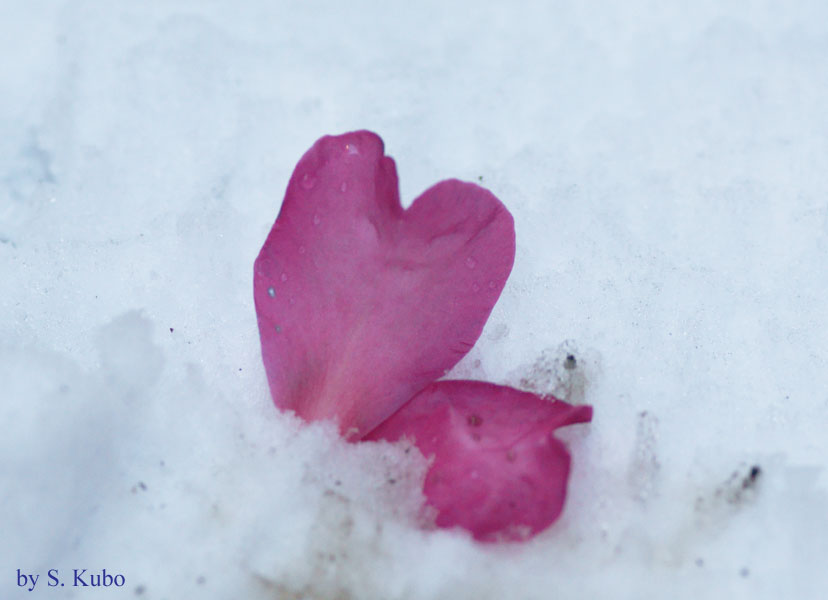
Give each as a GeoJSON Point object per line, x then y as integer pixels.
{"type": "Point", "coordinates": [497, 469]}
{"type": "Point", "coordinates": [361, 304]}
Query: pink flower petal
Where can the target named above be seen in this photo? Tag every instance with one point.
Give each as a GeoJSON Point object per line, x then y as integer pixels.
{"type": "Point", "coordinates": [498, 471]}
{"type": "Point", "coordinates": [361, 304]}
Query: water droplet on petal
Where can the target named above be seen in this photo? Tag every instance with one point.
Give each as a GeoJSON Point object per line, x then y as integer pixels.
{"type": "Point", "coordinates": [471, 262]}
{"type": "Point", "coordinates": [278, 328]}
{"type": "Point", "coordinates": [316, 219]}
{"type": "Point", "coordinates": [301, 249]}
{"type": "Point", "coordinates": [351, 149]}
{"type": "Point", "coordinates": [271, 292]}
{"type": "Point", "coordinates": [475, 287]}
{"type": "Point", "coordinates": [308, 182]}
{"type": "Point", "coordinates": [283, 277]}
{"type": "Point", "coordinates": [491, 285]}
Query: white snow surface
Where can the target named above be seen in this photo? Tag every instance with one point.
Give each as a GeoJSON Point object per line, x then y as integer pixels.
{"type": "Point", "coordinates": [667, 168]}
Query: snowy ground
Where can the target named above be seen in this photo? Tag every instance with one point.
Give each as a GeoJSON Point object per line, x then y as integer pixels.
{"type": "Point", "coordinates": [666, 169]}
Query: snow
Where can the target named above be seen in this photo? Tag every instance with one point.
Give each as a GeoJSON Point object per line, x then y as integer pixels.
{"type": "Point", "coordinates": [665, 168]}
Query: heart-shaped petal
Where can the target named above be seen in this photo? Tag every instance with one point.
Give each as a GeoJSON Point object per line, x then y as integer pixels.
{"type": "Point", "coordinates": [497, 469]}
{"type": "Point", "coordinates": [362, 304]}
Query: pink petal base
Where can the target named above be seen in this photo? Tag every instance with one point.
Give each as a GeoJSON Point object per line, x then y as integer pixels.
{"type": "Point", "coordinates": [363, 305]}
{"type": "Point", "coordinates": [497, 469]}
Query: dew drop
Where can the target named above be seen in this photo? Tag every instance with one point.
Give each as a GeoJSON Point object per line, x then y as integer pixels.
{"type": "Point", "coordinates": [271, 292]}
{"type": "Point", "coordinates": [343, 187]}
{"type": "Point", "coordinates": [471, 262]}
{"type": "Point", "coordinates": [491, 285]}
{"type": "Point", "coordinates": [475, 287]}
{"type": "Point", "coordinates": [283, 277]}
{"type": "Point", "coordinates": [308, 182]}
{"type": "Point", "coordinates": [278, 328]}
{"type": "Point", "coordinates": [316, 219]}
{"type": "Point", "coordinates": [351, 149]}
{"type": "Point", "coordinates": [301, 249]}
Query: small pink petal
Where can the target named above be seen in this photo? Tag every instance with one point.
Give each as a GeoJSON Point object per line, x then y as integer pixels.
{"type": "Point", "coordinates": [362, 304]}
{"type": "Point", "coordinates": [497, 469]}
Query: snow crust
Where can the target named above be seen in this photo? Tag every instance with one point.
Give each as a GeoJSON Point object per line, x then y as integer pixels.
{"type": "Point", "coordinates": [665, 165]}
